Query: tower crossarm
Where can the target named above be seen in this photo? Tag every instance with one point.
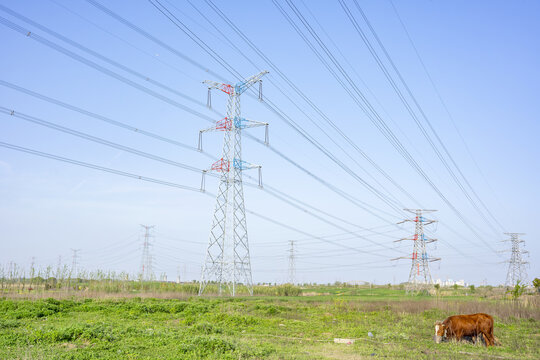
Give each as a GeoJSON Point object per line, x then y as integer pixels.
{"type": "Point", "coordinates": [244, 165]}
{"type": "Point", "coordinates": [415, 237]}
{"type": "Point", "coordinates": [422, 219]}
{"type": "Point", "coordinates": [221, 125]}
{"type": "Point", "coordinates": [226, 88]}
{"type": "Point", "coordinates": [242, 86]}
{"type": "Point", "coordinates": [242, 123]}
{"type": "Point", "coordinates": [228, 124]}
{"type": "Point", "coordinates": [220, 166]}
{"type": "Point", "coordinates": [402, 257]}
{"type": "Point", "coordinates": [239, 87]}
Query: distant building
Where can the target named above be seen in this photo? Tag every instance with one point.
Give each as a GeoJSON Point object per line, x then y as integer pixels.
{"type": "Point", "coordinates": [450, 282]}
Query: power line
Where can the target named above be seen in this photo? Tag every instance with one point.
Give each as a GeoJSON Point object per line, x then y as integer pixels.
{"type": "Point", "coordinates": [166, 99]}
{"type": "Point", "coordinates": [136, 73]}
{"type": "Point", "coordinates": [29, 34]}
{"type": "Point", "coordinates": [179, 24]}
{"type": "Point", "coordinates": [35, 120]}
{"type": "Point", "coordinates": [370, 112]}
{"type": "Point", "coordinates": [175, 185]}
{"type": "Point", "coordinates": [97, 167]}
{"type": "Point", "coordinates": [270, 147]}
{"type": "Point", "coordinates": [98, 117]}
{"type": "Point", "coordinates": [447, 110]}
{"type": "Point", "coordinates": [301, 94]}
{"type": "Point", "coordinates": [276, 193]}
{"type": "Point", "coordinates": [426, 119]}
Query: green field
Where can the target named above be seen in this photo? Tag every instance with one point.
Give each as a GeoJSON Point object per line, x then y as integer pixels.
{"type": "Point", "coordinates": [261, 327]}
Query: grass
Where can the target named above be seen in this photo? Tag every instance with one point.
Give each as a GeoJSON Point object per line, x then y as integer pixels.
{"type": "Point", "coordinates": [269, 327]}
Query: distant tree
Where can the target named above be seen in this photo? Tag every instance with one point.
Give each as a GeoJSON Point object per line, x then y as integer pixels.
{"type": "Point", "coordinates": [517, 291]}
{"type": "Point", "coordinates": [472, 288]}
{"type": "Point", "coordinates": [437, 287]}
{"type": "Point", "coordinates": [455, 286]}
{"type": "Point", "coordinates": [536, 284]}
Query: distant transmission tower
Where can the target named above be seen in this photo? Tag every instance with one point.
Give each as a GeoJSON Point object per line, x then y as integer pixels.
{"type": "Point", "coordinates": [292, 267]}
{"type": "Point", "coordinates": [147, 273]}
{"type": "Point", "coordinates": [59, 267]}
{"type": "Point", "coordinates": [227, 257]}
{"type": "Point", "coordinates": [419, 276]}
{"type": "Point", "coordinates": [516, 268]}
{"type": "Point", "coordinates": [74, 262]}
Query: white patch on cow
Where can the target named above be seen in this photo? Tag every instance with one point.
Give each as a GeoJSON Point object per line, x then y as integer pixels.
{"type": "Point", "coordinates": [436, 329]}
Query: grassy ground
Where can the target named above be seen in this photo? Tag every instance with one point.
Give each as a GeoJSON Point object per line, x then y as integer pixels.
{"type": "Point", "coordinates": [300, 327]}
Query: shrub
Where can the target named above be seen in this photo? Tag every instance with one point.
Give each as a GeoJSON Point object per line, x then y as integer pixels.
{"type": "Point", "coordinates": [288, 290]}
{"type": "Point", "coordinates": [207, 328]}
{"type": "Point", "coordinates": [204, 346]}
{"type": "Point", "coordinates": [536, 284]}
{"type": "Point", "coordinates": [517, 291]}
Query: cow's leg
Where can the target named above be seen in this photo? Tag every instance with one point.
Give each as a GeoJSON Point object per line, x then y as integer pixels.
{"type": "Point", "coordinates": [458, 334]}
{"type": "Point", "coordinates": [480, 338]}
{"type": "Point", "coordinates": [491, 339]}
{"type": "Point", "coordinates": [487, 339]}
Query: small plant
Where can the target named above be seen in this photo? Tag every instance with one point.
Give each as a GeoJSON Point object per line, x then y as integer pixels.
{"type": "Point", "coordinates": [536, 284]}
{"type": "Point", "coordinates": [517, 291]}
{"type": "Point", "coordinates": [288, 290]}
{"type": "Point", "coordinates": [437, 287]}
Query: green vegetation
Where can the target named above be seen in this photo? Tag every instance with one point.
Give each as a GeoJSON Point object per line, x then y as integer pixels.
{"type": "Point", "coordinates": [263, 327]}
{"type": "Point", "coordinates": [536, 284]}
{"type": "Point", "coordinates": [517, 290]}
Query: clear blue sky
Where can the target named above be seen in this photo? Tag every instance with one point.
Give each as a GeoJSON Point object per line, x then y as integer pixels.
{"type": "Point", "coordinates": [482, 56]}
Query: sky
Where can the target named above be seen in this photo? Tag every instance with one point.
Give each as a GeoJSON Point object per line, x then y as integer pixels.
{"type": "Point", "coordinates": [467, 70]}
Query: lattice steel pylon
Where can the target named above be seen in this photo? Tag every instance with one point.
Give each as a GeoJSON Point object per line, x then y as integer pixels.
{"type": "Point", "coordinates": [419, 276]}
{"type": "Point", "coordinates": [147, 271]}
{"type": "Point", "coordinates": [74, 269]}
{"type": "Point", "coordinates": [227, 260]}
{"type": "Point", "coordinates": [516, 268]}
{"type": "Point", "coordinates": [292, 265]}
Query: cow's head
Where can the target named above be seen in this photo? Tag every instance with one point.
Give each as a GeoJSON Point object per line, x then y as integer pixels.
{"type": "Point", "coordinates": [440, 331]}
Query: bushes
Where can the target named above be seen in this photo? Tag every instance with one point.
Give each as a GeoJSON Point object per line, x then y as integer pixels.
{"type": "Point", "coordinates": [207, 328]}
{"type": "Point", "coordinates": [213, 347]}
{"type": "Point", "coordinates": [204, 346]}
{"type": "Point", "coordinates": [9, 324]}
{"type": "Point", "coordinates": [27, 309]}
{"type": "Point", "coordinates": [72, 333]}
{"type": "Point", "coordinates": [288, 290]}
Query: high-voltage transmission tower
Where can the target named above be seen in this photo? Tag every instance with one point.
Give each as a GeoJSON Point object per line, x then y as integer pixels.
{"type": "Point", "coordinates": [74, 262]}
{"type": "Point", "coordinates": [227, 260]}
{"type": "Point", "coordinates": [147, 273]}
{"type": "Point", "coordinates": [516, 264]}
{"type": "Point", "coordinates": [419, 276]}
{"type": "Point", "coordinates": [292, 267]}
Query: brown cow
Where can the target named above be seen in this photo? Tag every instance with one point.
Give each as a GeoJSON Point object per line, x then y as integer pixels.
{"type": "Point", "coordinates": [459, 326]}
